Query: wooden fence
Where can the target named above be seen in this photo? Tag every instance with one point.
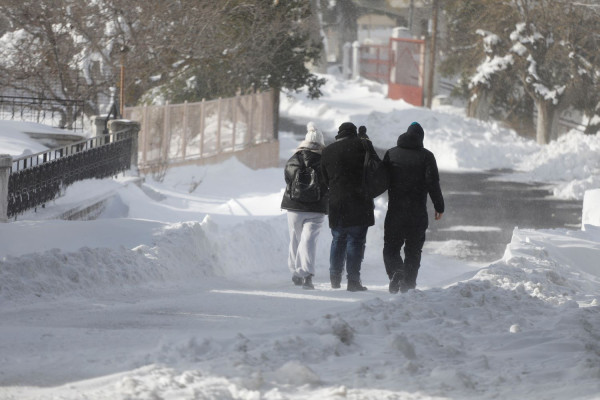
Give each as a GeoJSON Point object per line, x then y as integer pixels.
{"type": "Point", "coordinates": [176, 134]}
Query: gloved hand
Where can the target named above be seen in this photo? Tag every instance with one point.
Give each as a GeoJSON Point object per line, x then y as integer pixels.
{"type": "Point", "coordinates": [362, 132]}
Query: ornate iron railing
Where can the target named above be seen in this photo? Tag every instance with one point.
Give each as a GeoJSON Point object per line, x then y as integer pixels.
{"type": "Point", "coordinates": [60, 113]}
{"type": "Point", "coordinates": [38, 178]}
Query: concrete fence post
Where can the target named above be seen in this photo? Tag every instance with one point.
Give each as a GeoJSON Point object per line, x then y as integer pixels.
{"type": "Point", "coordinates": [98, 125]}
{"type": "Point", "coordinates": [116, 125]}
{"type": "Point", "coordinates": [355, 60]}
{"type": "Point", "coordinates": [5, 166]}
{"type": "Point", "coordinates": [346, 67]}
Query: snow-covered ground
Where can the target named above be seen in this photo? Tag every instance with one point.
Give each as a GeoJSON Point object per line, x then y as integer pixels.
{"type": "Point", "coordinates": [180, 289]}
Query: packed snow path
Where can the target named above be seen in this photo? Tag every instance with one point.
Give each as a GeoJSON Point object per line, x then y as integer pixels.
{"type": "Point", "coordinates": [78, 338]}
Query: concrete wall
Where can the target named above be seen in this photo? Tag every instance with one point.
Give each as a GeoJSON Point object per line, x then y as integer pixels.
{"type": "Point", "coordinates": [263, 155]}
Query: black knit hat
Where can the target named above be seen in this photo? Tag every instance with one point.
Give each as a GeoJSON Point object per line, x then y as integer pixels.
{"type": "Point", "coordinates": [347, 129]}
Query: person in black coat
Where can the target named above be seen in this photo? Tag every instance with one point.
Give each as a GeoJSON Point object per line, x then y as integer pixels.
{"type": "Point", "coordinates": [306, 213]}
{"type": "Point", "coordinates": [350, 207]}
{"type": "Point", "coordinates": [413, 174]}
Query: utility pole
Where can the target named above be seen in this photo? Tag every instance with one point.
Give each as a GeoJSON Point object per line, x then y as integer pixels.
{"type": "Point", "coordinates": [411, 15]}
{"type": "Point", "coordinates": [432, 43]}
{"type": "Point", "coordinates": [121, 87]}
{"type": "Point", "coordinates": [124, 50]}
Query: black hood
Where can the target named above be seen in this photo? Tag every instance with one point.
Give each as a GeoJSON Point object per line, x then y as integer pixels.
{"type": "Point", "coordinates": [412, 138]}
{"type": "Point", "coordinates": [347, 129]}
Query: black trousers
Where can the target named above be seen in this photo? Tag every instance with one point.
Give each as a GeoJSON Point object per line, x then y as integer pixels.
{"type": "Point", "coordinates": [399, 232]}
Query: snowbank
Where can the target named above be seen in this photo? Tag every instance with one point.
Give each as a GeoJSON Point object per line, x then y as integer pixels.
{"type": "Point", "coordinates": [16, 137]}
{"type": "Point", "coordinates": [523, 327]}
{"type": "Point", "coordinates": [119, 255]}
{"type": "Point", "coordinates": [571, 164]}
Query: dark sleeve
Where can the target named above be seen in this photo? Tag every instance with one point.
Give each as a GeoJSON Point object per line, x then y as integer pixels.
{"type": "Point", "coordinates": [386, 160]}
{"type": "Point", "coordinates": [324, 172]}
{"type": "Point", "coordinates": [432, 180]}
{"type": "Point", "coordinates": [290, 168]}
{"type": "Point", "coordinates": [369, 147]}
{"type": "Point", "coordinates": [387, 167]}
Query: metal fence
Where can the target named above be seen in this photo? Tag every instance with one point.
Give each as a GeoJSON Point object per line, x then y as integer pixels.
{"type": "Point", "coordinates": [374, 62]}
{"type": "Point", "coordinates": [38, 178]}
{"type": "Point", "coordinates": [59, 113]}
{"type": "Point", "coordinates": [175, 133]}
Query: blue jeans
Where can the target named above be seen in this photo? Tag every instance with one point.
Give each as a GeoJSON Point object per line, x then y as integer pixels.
{"type": "Point", "coordinates": [347, 246]}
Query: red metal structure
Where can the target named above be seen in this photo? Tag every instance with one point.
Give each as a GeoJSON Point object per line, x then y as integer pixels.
{"type": "Point", "coordinates": [400, 64]}
{"type": "Point", "coordinates": [375, 62]}
{"type": "Point", "coordinates": [407, 70]}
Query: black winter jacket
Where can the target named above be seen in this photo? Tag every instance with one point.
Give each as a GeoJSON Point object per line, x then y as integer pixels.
{"type": "Point", "coordinates": [343, 163]}
{"type": "Point", "coordinates": [413, 174]}
{"type": "Point", "coordinates": [311, 159]}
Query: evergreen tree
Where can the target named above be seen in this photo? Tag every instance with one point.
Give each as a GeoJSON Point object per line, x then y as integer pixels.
{"type": "Point", "coordinates": [520, 53]}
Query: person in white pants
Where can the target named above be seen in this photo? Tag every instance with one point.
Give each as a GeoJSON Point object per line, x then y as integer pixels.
{"type": "Point", "coordinates": [306, 201]}
{"type": "Point", "coordinates": [304, 230]}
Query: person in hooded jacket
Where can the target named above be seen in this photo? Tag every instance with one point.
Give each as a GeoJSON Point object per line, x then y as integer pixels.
{"type": "Point", "coordinates": [413, 174]}
{"type": "Point", "coordinates": [305, 218]}
{"type": "Point", "coordinates": [350, 207]}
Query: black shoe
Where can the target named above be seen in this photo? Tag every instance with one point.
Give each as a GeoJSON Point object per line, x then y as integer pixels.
{"type": "Point", "coordinates": [336, 281]}
{"type": "Point", "coordinates": [297, 280]}
{"type": "Point", "coordinates": [355, 286]}
{"type": "Point", "coordinates": [308, 283]}
{"type": "Point", "coordinates": [395, 283]}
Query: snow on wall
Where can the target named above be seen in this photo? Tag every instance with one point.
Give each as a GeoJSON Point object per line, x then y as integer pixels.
{"type": "Point", "coordinates": [591, 209]}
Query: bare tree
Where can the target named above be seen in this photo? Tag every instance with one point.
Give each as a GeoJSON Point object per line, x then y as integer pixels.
{"type": "Point", "coordinates": [48, 52]}
{"type": "Point", "coordinates": [190, 49]}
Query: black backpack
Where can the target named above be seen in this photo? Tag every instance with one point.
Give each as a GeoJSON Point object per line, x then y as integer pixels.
{"type": "Point", "coordinates": [305, 186]}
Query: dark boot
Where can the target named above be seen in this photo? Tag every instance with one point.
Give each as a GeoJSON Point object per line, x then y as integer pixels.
{"type": "Point", "coordinates": [410, 278]}
{"type": "Point", "coordinates": [297, 280]}
{"type": "Point", "coordinates": [406, 286]}
{"type": "Point", "coordinates": [395, 282]}
{"type": "Point", "coordinates": [308, 283]}
{"type": "Point", "coordinates": [355, 286]}
{"type": "Point", "coordinates": [336, 281]}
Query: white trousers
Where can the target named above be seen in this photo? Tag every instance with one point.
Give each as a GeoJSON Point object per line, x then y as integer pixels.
{"type": "Point", "coordinates": [304, 230]}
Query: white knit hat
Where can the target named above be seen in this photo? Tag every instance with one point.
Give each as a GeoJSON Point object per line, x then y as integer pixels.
{"type": "Point", "coordinates": [313, 135]}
